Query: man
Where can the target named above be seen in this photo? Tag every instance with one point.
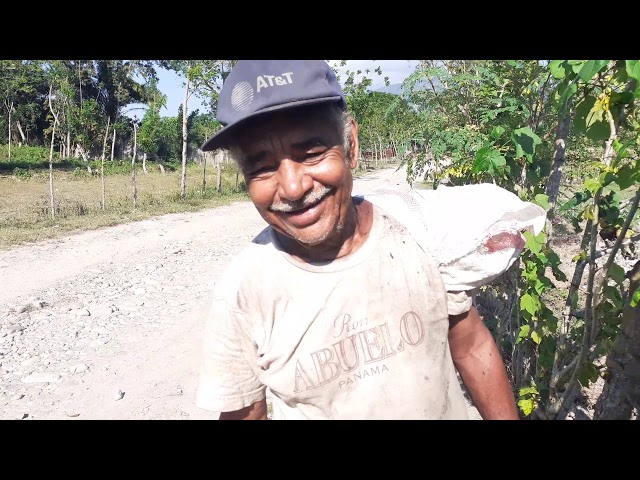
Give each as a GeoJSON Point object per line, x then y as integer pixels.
{"type": "Point", "coordinates": [336, 310]}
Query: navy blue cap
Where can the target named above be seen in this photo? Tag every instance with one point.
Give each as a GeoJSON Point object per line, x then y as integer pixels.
{"type": "Point", "coordinates": [255, 87]}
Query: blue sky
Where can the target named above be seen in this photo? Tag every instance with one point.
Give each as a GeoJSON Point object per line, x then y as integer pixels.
{"type": "Point", "coordinates": [173, 86]}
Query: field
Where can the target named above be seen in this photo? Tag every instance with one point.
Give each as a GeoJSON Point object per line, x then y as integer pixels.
{"type": "Point", "coordinates": [25, 210]}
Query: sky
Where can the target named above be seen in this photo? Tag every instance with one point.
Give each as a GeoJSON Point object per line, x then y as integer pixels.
{"type": "Point", "coordinates": [173, 86]}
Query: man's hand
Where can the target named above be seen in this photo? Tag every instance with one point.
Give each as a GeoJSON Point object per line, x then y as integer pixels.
{"type": "Point", "coordinates": [257, 411]}
{"type": "Point", "coordinates": [480, 365]}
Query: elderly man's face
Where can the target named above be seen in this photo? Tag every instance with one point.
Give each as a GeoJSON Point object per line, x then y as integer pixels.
{"type": "Point", "coordinates": [297, 176]}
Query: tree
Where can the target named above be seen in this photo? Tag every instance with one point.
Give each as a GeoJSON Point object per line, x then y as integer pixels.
{"type": "Point", "coordinates": [203, 77]}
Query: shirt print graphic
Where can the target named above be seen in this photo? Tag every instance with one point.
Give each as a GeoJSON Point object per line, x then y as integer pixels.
{"type": "Point", "coordinates": [360, 351]}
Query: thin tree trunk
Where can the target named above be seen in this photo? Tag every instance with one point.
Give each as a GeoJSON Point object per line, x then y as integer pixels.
{"type": "Point", "coordinates": [10, 108]}
{"type": "Point", "coordinates": [133, 165]}
{"type": "Point", "coordinates": [621, 392]}
{"type": "Point", "coordinates": [106, 134]}
{"type": "Point", "coordinates": [102, 189]}
{"type": "Point", "coordinates": [144, 162]}
{"type": "Point", "coordinates": [113, 144]}
{"type": "Point", "coordinates": [53, 136]}
{"type": "Point", "coordinates": [559, 157]}
{"type": "Point", "coordinates": [85, 159]}
{"type": "Point", "coordinates": [183, 182]}
{"type": "Point", "coordinates": [204, 173]}
{"type": "Point", "coordinates": [219, 176]}
{"type": "Point", "coordinates": [22, 135]}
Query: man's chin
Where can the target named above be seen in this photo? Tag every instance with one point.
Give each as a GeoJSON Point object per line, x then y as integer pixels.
{"type": "Point", "coordinates": [306, 238]}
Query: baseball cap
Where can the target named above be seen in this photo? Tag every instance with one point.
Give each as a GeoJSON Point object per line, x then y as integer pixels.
{"type": "Point", "coordinates": [256, 87]}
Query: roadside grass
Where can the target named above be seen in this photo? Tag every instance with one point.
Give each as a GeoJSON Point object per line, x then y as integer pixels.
{"type": "Point", "coordinates": [25, 212]}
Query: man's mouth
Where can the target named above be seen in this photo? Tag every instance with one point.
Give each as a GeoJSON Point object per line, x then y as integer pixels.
{"type": "Point", "coordinates": [308, 203]}
{"type": "Point", "coordinates": [304, 208]}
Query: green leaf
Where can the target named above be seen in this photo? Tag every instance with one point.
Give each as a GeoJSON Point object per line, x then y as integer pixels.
{"type": "Point", "coordinates": [599, 131]}
{"type": "Point", "coordinates": [593, 185]}
{"type": "Point", "coordinates": [577, 199]}
{"type": "Point", "coordinates": [617, 273]}
{"type": "Point", "coordinates": [531, 242]}
{"type": "Point", "coordinates": [579, 256]}
{"type": "Point", "coordinates": [535, 337]}
{"type": "Point", "coordinates": [529, 304]}
{"type": "Point", "coordinates": [590, 68]}
{"type": "Point", "coordinates": [523, 333]}
{"type": "Point", "coordinates": [542, 200]}
{"type": "Point", "coordinates": [481, 163]}
{"type": "Point", "coordinates": [633, 68]}
{"type": "Point", "coordinates": [590, 212]}
{"type": "Point", "coordinates": [528, 391]}
{"type": "Point", "coordinates": [496, 162]}
{"type": "Point", "coordinates": [576, 65]}
{"type": "Point", "coordinates": [588, 375]}
{"type": "Point", "coordinates": [525, 141]}
{"type": "Point", "coordinates": [526, 405]}
{"type": "Point", "coordinates": [497, 132]}
{"type": "Point", "coordinates": [614, 295]}
{"type": "Point", "coordinates": [568, 92]}
{"type": "Point", "coordinates": [558, 274]}
{"type": "Point", "coordinates": [627, 176]}
{"type": "Point", "coordinates": [558, 69]}
{"type": "Point", "coordinates": [622, 98]}
{"type": "Point", "coordinates": [635, 298]}
{"type": "Point", "coordinates": [582, 111]}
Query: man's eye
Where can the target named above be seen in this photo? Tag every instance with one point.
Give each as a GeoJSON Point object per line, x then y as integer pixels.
{"type": "Point", "coordinates": [313, 155]}
{"type": "Point", "coordinates": [265, 169]}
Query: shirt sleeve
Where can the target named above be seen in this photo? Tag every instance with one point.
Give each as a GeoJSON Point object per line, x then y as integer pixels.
{"type": "Point", "coordinates": [228, 377]}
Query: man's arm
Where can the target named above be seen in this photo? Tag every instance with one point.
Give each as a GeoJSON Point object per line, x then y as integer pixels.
{"type": "Point", "coordinates": [257, 411]}
{"type": "Point", "coordinates": [477, 359]}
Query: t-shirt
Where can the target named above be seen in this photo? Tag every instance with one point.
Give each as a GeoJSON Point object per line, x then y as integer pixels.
{"type": "Point", "coordinates": [364, 336]}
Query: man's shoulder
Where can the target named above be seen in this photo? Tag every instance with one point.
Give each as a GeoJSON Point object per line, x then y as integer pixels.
{"type": "Point", "coordinates": [250, 260]}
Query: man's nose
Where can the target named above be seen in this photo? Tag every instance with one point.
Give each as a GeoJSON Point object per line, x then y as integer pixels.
{"type": "Point", "coordinates": [293, 180]}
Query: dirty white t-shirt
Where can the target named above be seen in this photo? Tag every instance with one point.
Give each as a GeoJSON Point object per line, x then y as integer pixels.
{"type": "Point", "coordinates": [361, 337]}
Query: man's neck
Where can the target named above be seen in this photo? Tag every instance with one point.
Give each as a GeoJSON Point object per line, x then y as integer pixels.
{"type": "Point", "coordinates": [352, 236]}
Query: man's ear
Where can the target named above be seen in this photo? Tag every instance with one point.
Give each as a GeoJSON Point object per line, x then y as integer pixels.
{"type": "Point", "coordinates": [355, 148]}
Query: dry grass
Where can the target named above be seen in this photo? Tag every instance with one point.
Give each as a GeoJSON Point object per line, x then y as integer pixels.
{"type": "Point", "coordinates": [25, 213]}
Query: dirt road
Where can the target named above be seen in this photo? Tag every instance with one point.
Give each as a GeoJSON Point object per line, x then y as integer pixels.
{"type": "Point", "coordinates": [106, 324]}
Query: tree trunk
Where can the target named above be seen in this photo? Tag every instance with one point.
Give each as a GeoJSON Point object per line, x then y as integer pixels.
{"type": "Point", "coordinates": [219, 174]}
{"type": "Point", "coordinates": [22, 135]}
{"type": "Point", "coordinates": [10, 108]}
{"type": "Point", "coordinates": [144, 162]}
{"type": "Point", "coordinates": [113, 144]}
{"type": "Point", "coordinates": [133, 165]}
{"type": "Point", "coordinates": [102, 190]}
{"type": "Point", "coordinates": [85, 159]}
{"type": "Point", "coordinates": [53, 136]}
{"type": "Point", "coordinates": [106, 135]}
{"type": "Point", "coordinates": [183, 182]}
{"type": "Point", "coordinates": [204, 173]}
{"type": "Point", "coordinates": [559, 157]}
{"type": "Point", "coordinates": [621, 393]}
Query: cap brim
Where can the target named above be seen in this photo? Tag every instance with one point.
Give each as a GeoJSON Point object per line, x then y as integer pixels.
{"type": "Point", "coordinates": [220, 138]}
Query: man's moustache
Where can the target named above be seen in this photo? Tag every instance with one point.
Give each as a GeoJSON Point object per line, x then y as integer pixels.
{"type": "Point", "coordinates": [308, 200]}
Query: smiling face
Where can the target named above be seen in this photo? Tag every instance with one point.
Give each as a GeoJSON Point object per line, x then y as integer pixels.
{"type": "Point", "coordinates": [299, 178]}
